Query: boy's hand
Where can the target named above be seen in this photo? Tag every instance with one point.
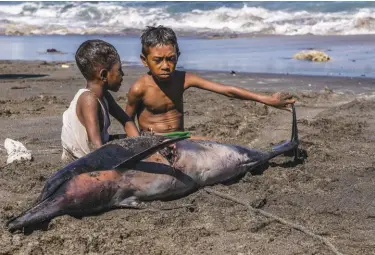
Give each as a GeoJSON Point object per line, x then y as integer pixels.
{"type": "Point", "coordinates": [282, 101]}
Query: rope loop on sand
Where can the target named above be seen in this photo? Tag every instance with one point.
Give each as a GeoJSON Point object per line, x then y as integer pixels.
{"type": "Point", "coordinates": [277, 218]}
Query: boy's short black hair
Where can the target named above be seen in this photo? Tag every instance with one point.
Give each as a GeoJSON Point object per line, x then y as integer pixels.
{"type": "Point", "coordinates": [95, 54]}
{"type": "Point", "coordinates": [160, 35]}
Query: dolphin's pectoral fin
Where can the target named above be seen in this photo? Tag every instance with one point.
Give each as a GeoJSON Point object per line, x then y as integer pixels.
{"type": "Point", "coordinates": [130, 203]}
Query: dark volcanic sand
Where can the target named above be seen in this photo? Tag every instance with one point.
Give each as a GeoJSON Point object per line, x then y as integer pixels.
{"type": "Point", "coordinates": [331, 194]}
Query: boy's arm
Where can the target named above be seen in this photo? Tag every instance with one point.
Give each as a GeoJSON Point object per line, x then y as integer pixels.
{"type": "Point", "coordinates": [276, 100]}
{"type": "Point", "coordinates": [87, 112]}
{"type": "Point", "coordinates": [118, 113]}
{"type": "Point", "coordinates": [135, 95]}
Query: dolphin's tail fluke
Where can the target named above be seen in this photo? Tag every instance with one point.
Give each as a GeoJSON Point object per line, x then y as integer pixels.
{"type": "Point", "coordinates": [288, 146]}
{"type": "Point", "coordinates": [44, 211]}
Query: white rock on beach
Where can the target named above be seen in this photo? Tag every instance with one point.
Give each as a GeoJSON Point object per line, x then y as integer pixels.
{"type": "Point", "coordinates": [16, 151]}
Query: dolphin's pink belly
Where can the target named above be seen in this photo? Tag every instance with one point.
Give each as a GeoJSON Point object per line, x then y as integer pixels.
{"type": "Point", "coordinates": [93, 190]}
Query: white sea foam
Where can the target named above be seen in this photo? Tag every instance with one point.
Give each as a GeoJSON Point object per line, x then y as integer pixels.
{"type": "Point", "coordinates": [115, 18]}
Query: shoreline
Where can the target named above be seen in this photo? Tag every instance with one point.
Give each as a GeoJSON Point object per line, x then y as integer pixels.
{"type": "Point", "coordinates": [138, 67]}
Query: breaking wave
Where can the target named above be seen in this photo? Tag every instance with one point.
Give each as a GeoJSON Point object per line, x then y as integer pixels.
{"type": "Point", "coordinates": [221, 18]}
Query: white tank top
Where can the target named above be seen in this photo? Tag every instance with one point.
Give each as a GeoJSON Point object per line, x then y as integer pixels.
{"type": "Point", "coordinates": [74, 138]}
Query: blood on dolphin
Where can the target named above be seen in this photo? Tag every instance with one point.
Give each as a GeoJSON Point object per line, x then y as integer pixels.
{"type": "Point", "coordinates": [80, 191]}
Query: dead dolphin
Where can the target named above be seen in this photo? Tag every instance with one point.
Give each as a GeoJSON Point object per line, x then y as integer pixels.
{"type": "Point", "coordinates": [192, 164]}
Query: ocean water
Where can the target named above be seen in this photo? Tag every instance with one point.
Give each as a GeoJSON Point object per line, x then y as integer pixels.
{"type": "Point", "coordinates": [282, 18]}
{"type": "Point", "coordinates": [265, 35]}
{"type": "Point", "coordinates": [352, 56]}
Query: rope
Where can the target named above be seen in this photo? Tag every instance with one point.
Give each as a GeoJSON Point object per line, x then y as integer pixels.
{"type": "Point", "coordinates": [277, 218]}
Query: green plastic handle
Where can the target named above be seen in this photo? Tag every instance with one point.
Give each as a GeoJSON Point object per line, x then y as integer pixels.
{"type": "Point", "coordinates": [178, 134]}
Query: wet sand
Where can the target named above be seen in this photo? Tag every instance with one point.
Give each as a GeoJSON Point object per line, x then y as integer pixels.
{"type": "Point", "coordinates": [332, 193]}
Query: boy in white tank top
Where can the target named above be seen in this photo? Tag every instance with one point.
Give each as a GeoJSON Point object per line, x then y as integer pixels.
{"type": "Point", "coordinates": [86, 121]}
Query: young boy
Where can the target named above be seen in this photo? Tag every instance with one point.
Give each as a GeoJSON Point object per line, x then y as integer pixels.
{"type": "Point", "coordinates": [157, 97]}
{"type": "Point", "coordinates": [86, 121]}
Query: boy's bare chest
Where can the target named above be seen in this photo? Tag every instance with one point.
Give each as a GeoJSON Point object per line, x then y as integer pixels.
{"type": "Point", "coordinates": [157, 101]}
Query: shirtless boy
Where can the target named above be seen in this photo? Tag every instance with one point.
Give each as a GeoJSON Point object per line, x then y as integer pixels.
{"type": "Point", "coordinates": [86, 121]}
{"type": "Point", "coordinates": [157, 97]}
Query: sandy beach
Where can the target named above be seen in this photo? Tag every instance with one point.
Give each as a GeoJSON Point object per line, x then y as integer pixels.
{"type": "Point", "coordinates": [332, 193]}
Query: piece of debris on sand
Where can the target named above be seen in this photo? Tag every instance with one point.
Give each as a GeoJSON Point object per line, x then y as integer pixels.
{"type": "Point", "coordinates": [16, 151]}
{"type": "Point", "coordinates": [53, 50]}
{"type": "Point", "coordinates": [312, 55]}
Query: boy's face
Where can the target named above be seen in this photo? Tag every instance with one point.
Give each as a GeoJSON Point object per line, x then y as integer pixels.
{"type": "Point", "coordinates": [161, 60]}
{"type": "Point", "coordinates": [114, 77]}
